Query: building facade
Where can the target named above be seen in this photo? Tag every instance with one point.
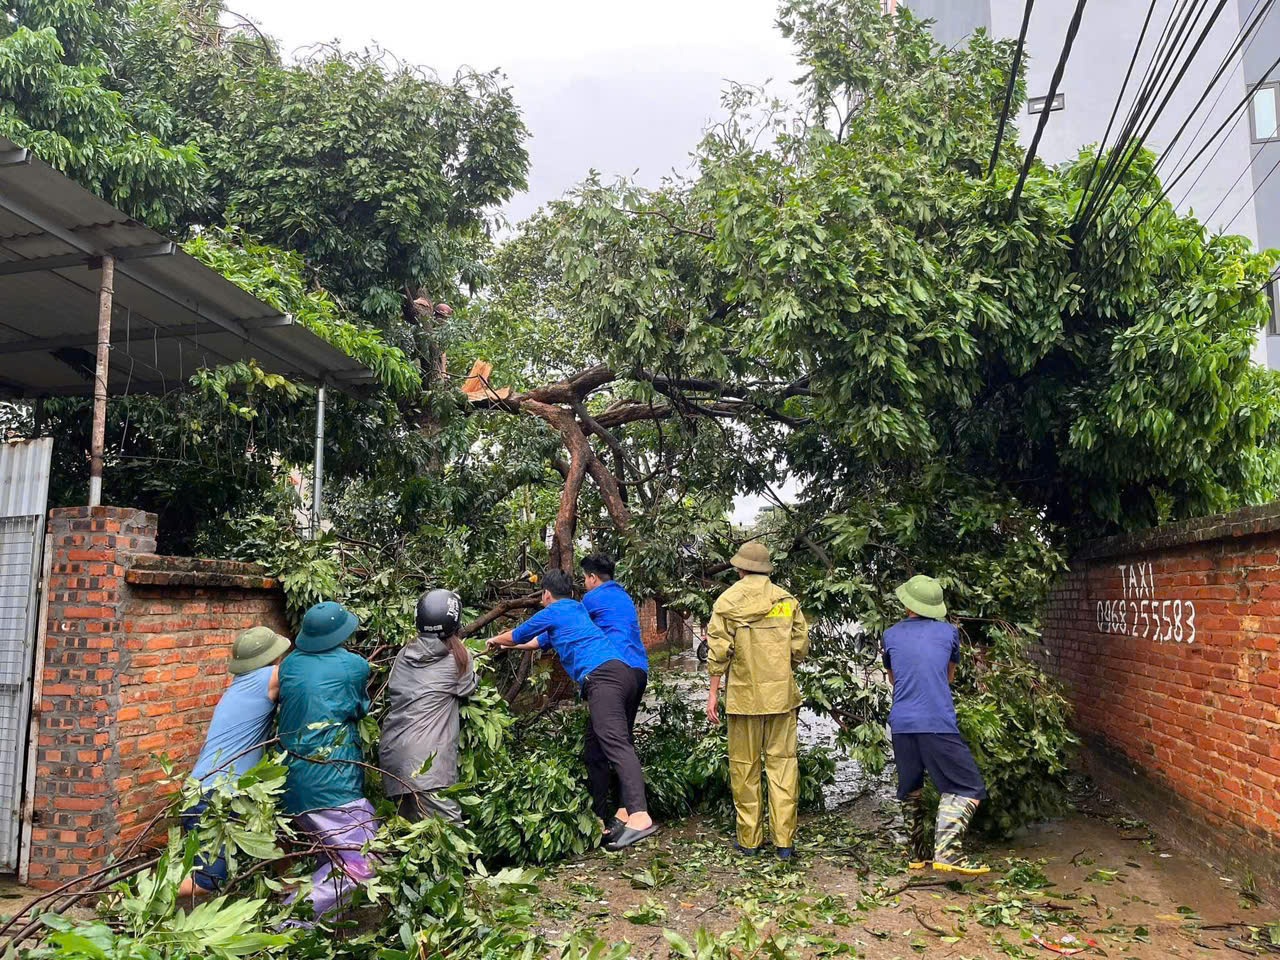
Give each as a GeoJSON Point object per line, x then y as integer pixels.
{"type": "Point", "coordinates": [1231, 188]}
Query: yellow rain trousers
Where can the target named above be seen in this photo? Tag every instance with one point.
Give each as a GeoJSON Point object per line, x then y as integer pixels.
{"type": "Point", "coordinates": [756, 637]}
{"type": "Point", "coordinates": [774, 735]}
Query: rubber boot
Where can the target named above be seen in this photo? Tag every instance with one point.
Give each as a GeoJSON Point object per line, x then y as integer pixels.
{"type": "Point", "coordinates": [954, 814]}
{"type": "Point", "coordinates": [917, 831]}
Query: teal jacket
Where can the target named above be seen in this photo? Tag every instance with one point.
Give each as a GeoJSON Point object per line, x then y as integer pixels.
{"type": "Point", "coordinates": [329, 688]}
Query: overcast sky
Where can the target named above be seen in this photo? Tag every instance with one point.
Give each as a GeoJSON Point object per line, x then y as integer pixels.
{"type": "Point", "coordinates": [622, 88]}
{"type": "Point", "coordinates": [619, 87]}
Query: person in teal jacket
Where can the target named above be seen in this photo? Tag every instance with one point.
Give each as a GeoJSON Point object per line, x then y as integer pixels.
{"type": "Point", "coordinates": [323, 696]}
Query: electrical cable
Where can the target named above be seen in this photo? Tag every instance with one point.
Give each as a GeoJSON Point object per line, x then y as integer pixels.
{"type": "Point", "coordinates": [1013, 83]}
{"type": "Point", "coordinates": [1232, 119]}
{"type": "Point", "coordinates": [1141, 114]}
{"type": "Point", "coordinates": [1115, 111]}
{"type": "Point", "coordinates": [1151, 175]}
{"type": "Point", "coordinates": [1142, 97]}
{"type": "Point", "coordinates": [1218, 99]}
{"type": "Point", "coordinates": [1186, 65]}
{"type": "Point", "coordinates": [1072, 29]}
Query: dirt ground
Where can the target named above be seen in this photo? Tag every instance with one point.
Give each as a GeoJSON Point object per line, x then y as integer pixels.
{"type": "Point", "coordinates": [1091, 875]}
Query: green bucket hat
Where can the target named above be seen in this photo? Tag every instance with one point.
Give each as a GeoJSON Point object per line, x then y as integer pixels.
{"type": "Point", "coordinates": [923, 595]}
{"type": "Point", "coordinates": [325, 626]}
{"type": "Point", "coordinates": [256, 648]}
{"type": "Point", "coordinates": [753, 557]}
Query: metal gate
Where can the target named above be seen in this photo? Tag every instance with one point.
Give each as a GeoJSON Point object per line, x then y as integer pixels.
{"type": "Point", "coordinates": [24, 498]}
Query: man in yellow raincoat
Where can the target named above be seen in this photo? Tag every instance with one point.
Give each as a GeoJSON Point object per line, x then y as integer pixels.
{"type": "Point", "coordinates": [758, 636]}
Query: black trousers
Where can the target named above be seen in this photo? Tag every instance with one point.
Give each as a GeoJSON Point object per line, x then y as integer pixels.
{"type": "Point", "coordinates": [613, 692]}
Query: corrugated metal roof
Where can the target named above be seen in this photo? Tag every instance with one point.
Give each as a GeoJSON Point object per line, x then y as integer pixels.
{"type": "Point", "coordinates": [24, 477]}
{"type": "Point", "coordinates": [173, 315]}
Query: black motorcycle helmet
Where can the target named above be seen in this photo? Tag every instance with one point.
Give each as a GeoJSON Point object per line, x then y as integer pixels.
{"type": "Point", "coordinates": [439, 613]}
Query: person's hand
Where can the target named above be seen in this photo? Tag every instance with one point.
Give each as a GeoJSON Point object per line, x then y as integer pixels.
{"type": "Point", "coordinates": [713, 709]}
{"type": "Point", "coordinates": [493, 646]}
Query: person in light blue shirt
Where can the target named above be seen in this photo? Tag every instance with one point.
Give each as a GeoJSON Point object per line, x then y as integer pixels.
{"type": "Point", "coordinates": [594, 662]}
{"type": "Point", "coordinates": [614, 612]}
{"type": "Point", "coordinates": [238, 732]}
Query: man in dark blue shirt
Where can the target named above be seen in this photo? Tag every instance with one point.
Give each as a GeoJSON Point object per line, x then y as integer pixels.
{"type": "Point", "coordinates": [595, 663]}
{"type": "Point", "coordinates": [920, 654]}
{"type": "Point", "coordinates": [613, 611]}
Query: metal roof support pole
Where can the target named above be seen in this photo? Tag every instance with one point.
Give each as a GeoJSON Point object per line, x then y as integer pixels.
{"type": "Point", "coordinates": [98, 439]}
{"type": "Point", "coordinates": [317, 491]}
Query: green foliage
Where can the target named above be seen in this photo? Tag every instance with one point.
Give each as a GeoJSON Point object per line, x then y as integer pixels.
{"type": "Point", "coordinates": [59, 99]}
{"type": "Point", "coordinates": [278, 278]}
{"type": "Point", "coordinates": [1015, 719]}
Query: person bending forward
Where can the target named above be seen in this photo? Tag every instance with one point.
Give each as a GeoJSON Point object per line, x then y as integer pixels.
{"type": "Point", "coordinates": [596, 665]}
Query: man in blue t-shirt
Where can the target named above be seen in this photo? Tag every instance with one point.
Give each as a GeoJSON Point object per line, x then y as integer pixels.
{"type": "Point", "coordinates": [236, 739]}
{"type": "Point", "coordinates": [613, 611]}
{"type": "Point", "coordinates": [596, 664]}
{"type": "Point", "coordinates": [920, 654]}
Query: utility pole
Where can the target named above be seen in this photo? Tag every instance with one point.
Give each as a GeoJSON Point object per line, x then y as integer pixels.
{"type": "Point", "coordinates": [98, 438]}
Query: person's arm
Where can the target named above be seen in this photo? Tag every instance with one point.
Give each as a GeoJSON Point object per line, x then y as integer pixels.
{"type": "Point", "coordinates": [719, 653]}
{"type": "Point", "coordinates": [467, 681]}
{"type": "Point", "coordinates": [361, 677]}
{"type": "Point", "coordinates": [522, 637]}
{"type": "Point", "coordinates": [888, 666]}
{"type": "Point", "coordinates": [799, 638]}
{"type": "Point", "coordinates": [955, 658]}
{"type": "Point", "coordinates": [273, 685]}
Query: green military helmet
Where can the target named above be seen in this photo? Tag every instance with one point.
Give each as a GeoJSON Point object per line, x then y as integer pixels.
{"type": "Point", "coordinates": [256, 648]}
{"type": "Point", "coordinates": [923, 596]}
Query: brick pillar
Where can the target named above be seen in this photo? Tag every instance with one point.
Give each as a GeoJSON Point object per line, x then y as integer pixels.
{"type": "Point", "coordinates": [74, 811]}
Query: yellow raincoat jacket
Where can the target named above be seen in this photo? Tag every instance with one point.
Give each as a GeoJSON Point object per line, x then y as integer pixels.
{"type": "Point", "coordinates": [757, 635]}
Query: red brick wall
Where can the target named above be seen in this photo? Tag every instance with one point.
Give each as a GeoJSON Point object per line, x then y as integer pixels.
{"type": "Point", "coordinates": [134, 664]}
{"type": "Point", "coordinates": [1168, 644]}
{"type": "Point", "coordinates": [656, 635]}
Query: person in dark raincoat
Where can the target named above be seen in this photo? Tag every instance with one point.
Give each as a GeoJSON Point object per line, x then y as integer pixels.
{"type": "Point", "coordinates": [431, 677]}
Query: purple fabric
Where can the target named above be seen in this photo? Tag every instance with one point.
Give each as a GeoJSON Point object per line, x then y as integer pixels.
{"type": "Point", "coordinates": [343, 832]}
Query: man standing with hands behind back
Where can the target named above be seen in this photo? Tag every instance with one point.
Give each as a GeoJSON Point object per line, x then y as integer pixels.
{"type": "Point", "coordinates": [758, 636]}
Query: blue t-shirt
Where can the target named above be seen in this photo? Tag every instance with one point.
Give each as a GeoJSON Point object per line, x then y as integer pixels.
{"type": "Point", "coordinates": [919, 653]}
{"type": "Point", "coordinates": [566, 627]}
{"type": "Point", "coordinates": [241, 721]}
{"type": "Point", "coordinates": [613, 611]}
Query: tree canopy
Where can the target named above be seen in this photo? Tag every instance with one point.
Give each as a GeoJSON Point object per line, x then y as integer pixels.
{"type": "Point", "coordinates": [836, 294]}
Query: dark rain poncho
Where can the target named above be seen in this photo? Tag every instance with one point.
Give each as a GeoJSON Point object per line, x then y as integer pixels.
{"type": "Point", "coordinates": [424, 692]}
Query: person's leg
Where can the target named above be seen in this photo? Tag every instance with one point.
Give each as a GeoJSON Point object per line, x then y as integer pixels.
{"type": "Point", "coordinates": [342, 832]}
{"type": "Point", "coordinates": [599, 773]}
{"type": "Point", "coordinates": [746, 734]}
{"type": "Point", "coordinates": [906, 757]}
{"type": "Point", "coordinates": [956, 775]}
{"type": "Point", "coordinates": [782, 766]}
{"type": "Point", "coordinates": [633, 708]}
{"type": "Point", "coordinates": [610, 686]}
{"type": "Point", "coordinates": [446, 808]}
{"type": "Point", "coordinates": [207, 876]}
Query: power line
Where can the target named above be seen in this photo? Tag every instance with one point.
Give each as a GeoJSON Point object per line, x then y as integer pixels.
{"type": "Point", "coordinates": [1115, 111]}
{"type": "Point", "coordinates": [1246, 32]}
{"type": "Point", "coordinates": [1072, 29]}
{"type": "Point", "coordinates": [1013, 83]}
{"type": "Point", "coordinates": [1237, 114]}
{"type": "Point", "coordinates": [1172, 41]}
{"type": "Point", "coordinates": [1218, 99]}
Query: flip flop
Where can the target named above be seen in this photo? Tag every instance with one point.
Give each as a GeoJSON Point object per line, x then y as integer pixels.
{"type": "Point", "coordinates": [627, 837]}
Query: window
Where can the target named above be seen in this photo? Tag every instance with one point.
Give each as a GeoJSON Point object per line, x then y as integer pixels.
{"type": "Point", "coordinates": [1036, 104]}
{"type": "Point", "coordinates": [1273, 323]}
{"type": "Point", "coordinates": [1264, 112]}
